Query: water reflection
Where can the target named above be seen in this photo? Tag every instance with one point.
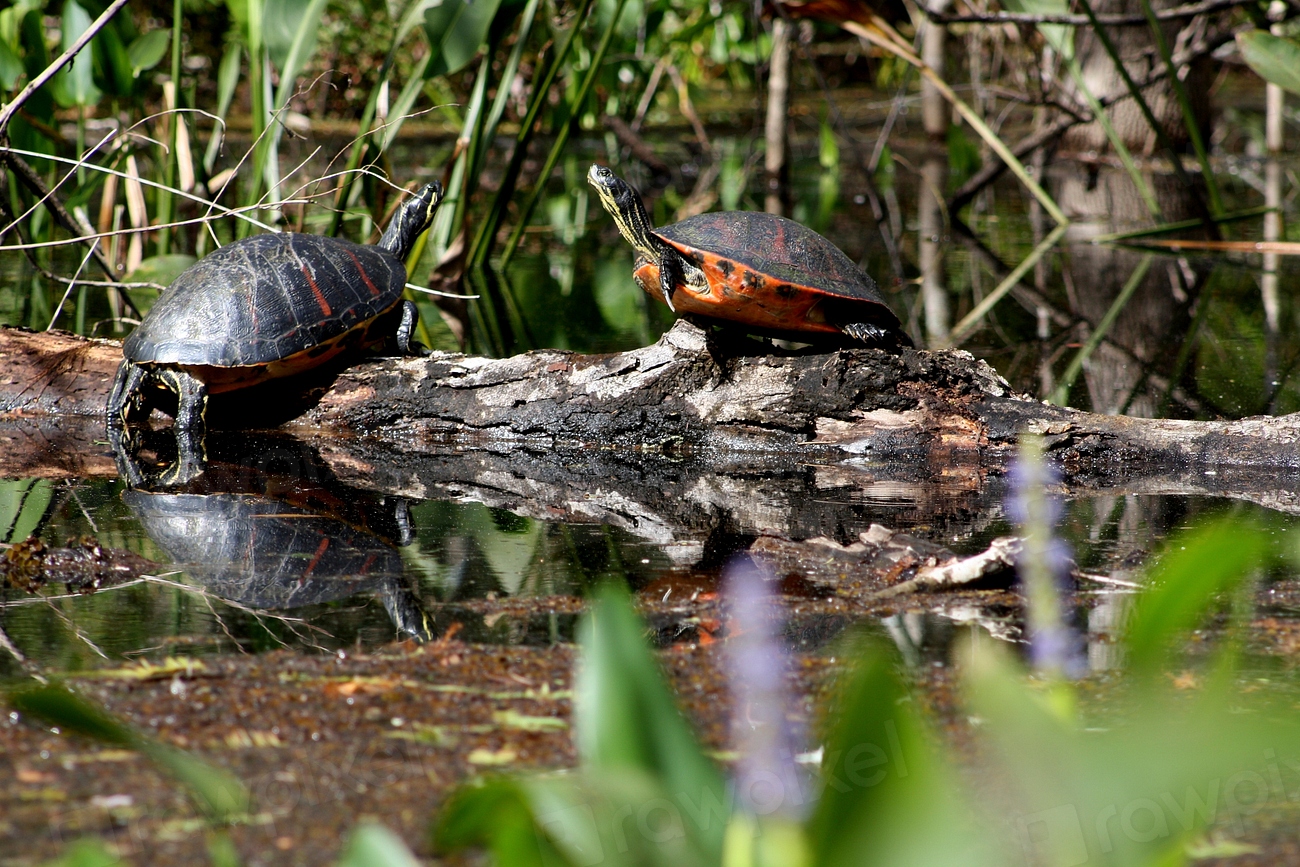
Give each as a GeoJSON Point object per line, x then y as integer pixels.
{"type": "Point", "coordinates": [266, 526]}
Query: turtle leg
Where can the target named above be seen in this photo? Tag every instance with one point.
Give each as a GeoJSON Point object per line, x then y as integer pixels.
{"type": "Point", "coordinates": [406, 342]}
{"type": "Point", "coordinates": [191, 408]}
{"type": "Point", "coordinates": [875, 336]}
{"type": "Point", "coordinates": [670, 276]}
{"type": "Point", "coordinates": [126, 400]}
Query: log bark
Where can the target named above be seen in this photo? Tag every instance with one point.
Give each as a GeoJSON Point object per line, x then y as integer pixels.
{"type": "Point", "coordinates": [697, 433]}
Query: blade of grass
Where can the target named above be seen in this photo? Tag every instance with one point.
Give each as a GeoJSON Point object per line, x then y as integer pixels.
{"type": "Point", "coordinates": [562, 135]}
{"type": "Point", "coordinates": [973, 318]}
{"type": "Point", "coordinates": [1189, 116]}
{"type": "Point", "coordinates": [227, 81]}
{"type": "Point", "coordinates": [487, 230]}
{"type": "Point", "coordinates": [1061, 394]}
{"type": "Point", "coordinates": [219, 795]}
{"type": "Point", "coordinates": [1178, 226]}
{"type": "Point", "coordinates": [169, 158]}
{"type": "Point", "coordinates": [362, 142]}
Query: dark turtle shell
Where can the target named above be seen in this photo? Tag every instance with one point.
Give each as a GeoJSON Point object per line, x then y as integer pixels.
{"type": "Point", "coordinates": [771, 273]}
{"type": "Point", "coordinates": [267, 298]}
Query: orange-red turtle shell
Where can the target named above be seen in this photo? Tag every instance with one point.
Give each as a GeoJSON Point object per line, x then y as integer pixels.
{"type": "Point", "coordinates": [769, 273]}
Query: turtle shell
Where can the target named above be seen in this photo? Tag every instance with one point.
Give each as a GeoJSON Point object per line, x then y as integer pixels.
{"type": "Point", "coordinates": [276, 303]}
{"type": "Point", "coordinates": [770, 273]}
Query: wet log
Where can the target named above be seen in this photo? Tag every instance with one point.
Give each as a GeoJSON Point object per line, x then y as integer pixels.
{"type": "Point", "coordinates": [704, 398]}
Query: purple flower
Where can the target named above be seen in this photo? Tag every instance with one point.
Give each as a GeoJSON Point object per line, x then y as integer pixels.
{"type": "Point", "coordinates": [768, 781]}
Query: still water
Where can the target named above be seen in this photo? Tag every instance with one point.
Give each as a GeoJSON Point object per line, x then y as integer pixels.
{"type": "Point", "coordinates": [273, 550]}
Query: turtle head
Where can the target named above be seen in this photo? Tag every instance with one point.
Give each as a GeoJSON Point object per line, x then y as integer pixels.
{"type": "Point", "coordinates": [625, 206]}
{"type": "Point", "coordinates": [413, 217]}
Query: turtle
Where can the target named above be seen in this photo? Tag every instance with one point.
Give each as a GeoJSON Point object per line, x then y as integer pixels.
{"type": "Point", "coordinates": [761, 271]}
{"type": "Point", "coordinates": [265, 307]}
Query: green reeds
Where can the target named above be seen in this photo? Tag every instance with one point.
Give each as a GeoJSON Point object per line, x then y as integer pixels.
{"type": "Point", "coordinates": [562, 134]}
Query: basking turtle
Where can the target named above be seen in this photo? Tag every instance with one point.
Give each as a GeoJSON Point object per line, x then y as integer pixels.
{"type": "Point", "coordinates": [759, 270]}
{"type": "Point", "coordinates": [265, 307]}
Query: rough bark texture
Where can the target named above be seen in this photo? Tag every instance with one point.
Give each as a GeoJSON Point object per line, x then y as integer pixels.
{"type": "Point", "coordinates": [687, 438]}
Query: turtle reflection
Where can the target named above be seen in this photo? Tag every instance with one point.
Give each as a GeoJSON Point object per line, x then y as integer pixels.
{"type": "Point", "coordinates": [268, 527]}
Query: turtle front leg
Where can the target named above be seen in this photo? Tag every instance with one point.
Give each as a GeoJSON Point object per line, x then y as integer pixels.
{"type": "Point", "coordinates": [406, 342]}
{"type": "Point", "coordinates": [126, 400]}
{"type": "Point", "coordinates": [190, 424]}
{"type": "Point", "coordinates": [670, 276]}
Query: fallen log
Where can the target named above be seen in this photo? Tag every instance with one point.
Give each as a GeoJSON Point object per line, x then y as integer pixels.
{"type": "Point", "coordinates": [691, 399]}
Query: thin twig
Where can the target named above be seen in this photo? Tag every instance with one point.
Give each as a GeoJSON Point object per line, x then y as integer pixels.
{"type": "Point", "coordinates": [7, 113]}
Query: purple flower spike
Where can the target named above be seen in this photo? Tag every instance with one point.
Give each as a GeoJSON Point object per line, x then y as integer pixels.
{"type": "Point", "coordinates": [1044, 564]}
{"type": "Point", "coordinates": [768, 781]}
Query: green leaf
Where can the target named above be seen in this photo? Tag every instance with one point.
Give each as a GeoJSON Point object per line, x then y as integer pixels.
{"type": "Point", "coordinates": [11, 67]}
{"type": "Point", "coordinates": [113, 62]}
{"type": "Point", "coordinates": [1272, 57]}
{"type": "Point", "coordinates": [87, 853]}
{"type": "Point", "coordinates": [887, 797]}
{"type": "Point", "coordinates": [78, 77]}
{"type": "Point", "coordinates": [495, 814]}
{"type": "Point", "coordinates": [289, 28]}
{"type": "Point", "coordinates": [147, 50]}
{"type": "Point", "coordinates": [456, 30]}
{"type": "Point", "coordinates": [218, 794]}
{"type": "Point", "coordinates": [23, 503]}
{"type": "Point", "coordinates": [625, 719]}
{"type": "Point", "coordinates": [160, 269]}
{"type": "Point", "coordinates": [1192, 571]}
{"type": "Point", "coordinates": [375, 846]}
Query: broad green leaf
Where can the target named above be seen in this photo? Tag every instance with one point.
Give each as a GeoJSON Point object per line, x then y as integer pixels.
{"type": "Point", "coordinates": [625, 719]}
{"type": "Point", "coordinates": [1194, 568]}
{"type": "Point", "coordinates": [216, 793]}
{"type": "Point", "coordinates": [887, 798]}
{"type": "Point", "coordinates": [76, 81]}
{"type": "Point", "coordinates": [148, 50]}
{"type": "Point", "coordinates": [1136, 791]}
{"type": "Point", "coordinates": [23, 503]}
{"type": "Point", "coordinates": [375, 846]}
{"type": "Point", "coordinates": [289, 28]}
{"type": "Point", "coordinates": [11, 67]}
{"type": "Point", "coordinates": [113, 62]}
{"type": "Point", "coordinates": [495, 814]}
{"type": "Point", "coordinates": [456, 29]}
{"type": "Point", "coordinates": [1274, 58]}
{"type": "Point", "coordinates": [161, 269]}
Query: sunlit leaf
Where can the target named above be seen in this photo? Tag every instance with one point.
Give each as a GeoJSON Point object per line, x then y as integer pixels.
{"type": "Point", "coordinates": [148, 50]}
{"type": "Point", "coordinates": [887, 798]}
{"type": "Point", "coordinates": [1193, 570]}
{"type": "Point", "coordinates": [375, 846]}
{"type": "Point", "coordinates": [76, 81]}
{"type": "Point", "coordinates": [456, 29]}
{"type": "Point", "coordinates": [626, 720]}
{"type": "Point", "coordinates": [23, 503]}
{"type": "Point", "coordinates": [495, 814]}
{"type": "Point", "coordinates": [1273, 58]}
{"type": "Point", "coordinates": [11, 67]}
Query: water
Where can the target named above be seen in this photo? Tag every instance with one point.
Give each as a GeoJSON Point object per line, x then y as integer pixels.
{"type": "Point", "coordinates": [266, 556]}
